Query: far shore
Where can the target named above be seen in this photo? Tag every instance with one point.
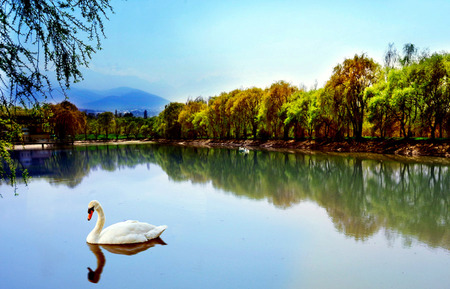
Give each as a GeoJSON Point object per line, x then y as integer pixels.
{"type": "Point", "coordinates": [403, 147]}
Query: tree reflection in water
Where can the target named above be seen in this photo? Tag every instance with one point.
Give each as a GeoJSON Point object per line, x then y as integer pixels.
{"type": "Point", "coordinates": [361, 193]}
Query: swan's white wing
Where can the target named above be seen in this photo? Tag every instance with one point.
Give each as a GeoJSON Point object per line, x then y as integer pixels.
{"type": "Point", "coordinates": [155, 232]}
{"type": "Point", "coordinates": [125, 233]}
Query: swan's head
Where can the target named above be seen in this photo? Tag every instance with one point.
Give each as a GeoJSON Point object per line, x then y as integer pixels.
{"type": "Point", "coordinates": [93, 205]}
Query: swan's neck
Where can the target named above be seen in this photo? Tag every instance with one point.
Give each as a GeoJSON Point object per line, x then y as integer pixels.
{"type": "Point", "coordinates": [95, 233]}
{"type": "Point", "coordinates": [100, 220]}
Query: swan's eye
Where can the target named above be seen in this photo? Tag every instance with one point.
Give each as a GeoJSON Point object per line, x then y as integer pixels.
{"type": "Point", "coordinates": [90, 210]}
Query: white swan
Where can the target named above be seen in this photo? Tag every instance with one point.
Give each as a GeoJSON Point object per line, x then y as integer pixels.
{"type": "Point", "coordinates": [127, 232]}
{"type": "Point", "coordinates": [243, 150]}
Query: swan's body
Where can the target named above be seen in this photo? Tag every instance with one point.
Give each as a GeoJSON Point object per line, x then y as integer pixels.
{"type": "Point", "coordinates": [127, 232]}
{"type": "Point", "coordinates": [244, 150]}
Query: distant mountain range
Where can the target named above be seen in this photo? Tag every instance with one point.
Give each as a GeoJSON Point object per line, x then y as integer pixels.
{"type": "Point", "coordinates": [122, 99]}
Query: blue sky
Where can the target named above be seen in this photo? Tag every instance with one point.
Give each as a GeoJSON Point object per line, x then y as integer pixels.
{"type": "Point", "coordinates": [184, 48]}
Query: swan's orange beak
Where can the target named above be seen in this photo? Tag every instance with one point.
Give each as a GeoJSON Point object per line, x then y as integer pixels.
{"type": "Point", "coordinates": [90, 213]}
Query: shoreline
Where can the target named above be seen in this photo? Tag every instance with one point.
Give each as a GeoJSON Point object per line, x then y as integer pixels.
{"type": "Point", "coordinates": [409, 148]}
{"type": "Point", "coordinates": [403, 147]}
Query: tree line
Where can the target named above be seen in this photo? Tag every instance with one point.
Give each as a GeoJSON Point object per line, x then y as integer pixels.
{"type": "Point", "coordinates": [407, 96]}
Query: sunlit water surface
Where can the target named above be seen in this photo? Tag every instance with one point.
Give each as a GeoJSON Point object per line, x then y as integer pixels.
{"type": "Point", "coordinates": [257, 220]}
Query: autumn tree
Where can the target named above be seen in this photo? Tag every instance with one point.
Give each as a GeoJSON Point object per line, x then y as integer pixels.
{"type": "Point", "coordinates": [67, 121]}
{"type": "Point", "coordinates": [348, 82]}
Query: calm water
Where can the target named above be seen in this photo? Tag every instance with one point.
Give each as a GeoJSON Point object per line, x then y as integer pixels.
{"type": "Point", "coordinates": [261, 220]}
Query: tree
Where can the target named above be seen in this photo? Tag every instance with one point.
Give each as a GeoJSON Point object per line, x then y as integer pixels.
{"type": "Point", "coordinates": [219, 121]}
{"type": "Point", "coordinates": [349, 80]}
{"type": "Point", "coordinates": [46, 35]}
{"type": "Point", "coordinates": [235, 115]}
{"type": "Point", "coordinates": [147, 130]}
{"type": "Point", "coordinates": [302, 112]}
{"type": "Point", "coordinates": [391, 56]}
{"type": "Point", "coordinates": [129, 127]}
{"type": "Point", "coordinates": [41, 38]}
{"type": "Point", "coordinates": [139, 125]}
{"type": "Point", "coordinates": [409, 54]}
{"type": "Point", "coordinates": [67, 120]}
{"type": "Point", "coordinates": [170, 126]}
{"type": "Point", "coordinates": [432, 77]}
{"type": "Point", "coordinates": [94, 128]}
{"type": "Point", "coordinates": [380, 112]}
{"type": "Point", "coordinates": [187, 115]}
{"type": "Point", "coordinates": [201, 123]}
{"type": "Point", "coordinates": [105, 120]}
{"type": "Point", "coordinates": [85, 127]}
{"type": "Point", "coordinates": [248, 103]}
{"type": "Point", "coordinates": [276, 95]}
{"type": "Point", "coordinates": [118, 124]}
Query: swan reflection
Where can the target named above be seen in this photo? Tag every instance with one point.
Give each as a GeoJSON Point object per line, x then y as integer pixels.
{"type": "Point", "coordinates": [126, 249]}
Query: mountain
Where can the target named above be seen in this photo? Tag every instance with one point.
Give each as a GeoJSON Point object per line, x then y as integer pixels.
{"type": "Point", "coordinates": [126, 99]}
{"type": "Point", "coordinates": [76, 96]}
{"type": "Point", "coordinates": [122, 99]}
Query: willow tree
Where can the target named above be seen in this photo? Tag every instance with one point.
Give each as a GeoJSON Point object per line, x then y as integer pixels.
{"type": "Point", "coordinates": [381, 113]}
{"type": "Point", "coordinates": [349, 80]}
{"type": "Point", "coordinates": [409, 54]}
{"type": "Point", "coordinates": [432, 77]}
{"type": "Point", "coordinates": [219, 120]}
{"type": "Point", "coordinates": [303, 113]}
{"type": "Point", "coordinates": [236, 115]}
{"type": "Point", "coordinates": [187, 116]}
{"type": "Point", "coordinates": [45, 39]}
{"type": "Point", "coordinates": [271, 109]}
{"type": "Point", "coordinates": [248, 104]}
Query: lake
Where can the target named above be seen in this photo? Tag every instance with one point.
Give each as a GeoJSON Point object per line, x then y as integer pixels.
{"type": "Point", "coordinates": [258, 220]}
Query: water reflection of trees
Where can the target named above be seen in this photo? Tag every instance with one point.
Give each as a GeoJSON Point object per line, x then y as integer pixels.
{"type": "Point", "coordinates": [360, 194]}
